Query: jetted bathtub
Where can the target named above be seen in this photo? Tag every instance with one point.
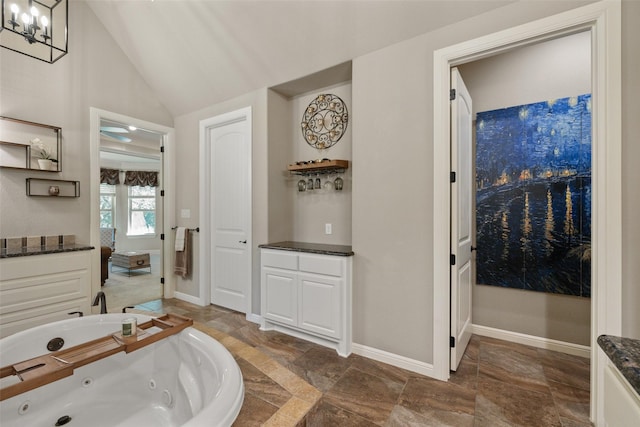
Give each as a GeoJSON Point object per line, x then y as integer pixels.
{"type": "Point", "coordinates": [187, 379]}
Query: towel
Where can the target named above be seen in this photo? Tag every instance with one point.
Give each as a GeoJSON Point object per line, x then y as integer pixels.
{"type": "Point", "coordinates": [183, 257]}
{"type": "Point", "coordinates": [180, 233]}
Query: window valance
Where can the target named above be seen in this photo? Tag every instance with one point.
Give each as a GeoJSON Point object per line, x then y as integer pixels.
{"type": "Point", "coordinates": [141, 178]}
{"type": "Point", "coordinates": [109, 176]}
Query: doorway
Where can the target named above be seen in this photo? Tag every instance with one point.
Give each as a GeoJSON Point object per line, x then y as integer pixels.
{"type": "Point", "coordinates": [603, 20]}
{"type": "Point", "coordinates": [129, 213]}
{"type": "Point", "coordinates": [532, 173]}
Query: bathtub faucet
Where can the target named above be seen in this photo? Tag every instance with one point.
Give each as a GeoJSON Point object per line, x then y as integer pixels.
{"type": "Point", "coordinates": [102, 299]}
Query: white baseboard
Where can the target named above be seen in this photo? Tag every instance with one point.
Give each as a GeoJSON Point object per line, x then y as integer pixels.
{"type": "Point", "coordinates": [539, 342]}
{"type": "Point", "coordinates": [189, 298]}
{"type": "Point", "coordinates": [254, 318]}
{"type": "Point", "coordinates": [394, 359]}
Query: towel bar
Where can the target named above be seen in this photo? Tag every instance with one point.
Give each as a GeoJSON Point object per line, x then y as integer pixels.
{"type": "Point", "coordinates": [197, 229]}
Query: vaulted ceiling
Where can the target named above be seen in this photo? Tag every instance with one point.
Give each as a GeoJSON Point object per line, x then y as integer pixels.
{"type": "Point", "coordinates": [196, 53]}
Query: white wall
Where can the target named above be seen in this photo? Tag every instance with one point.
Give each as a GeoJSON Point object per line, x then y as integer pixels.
{"type": "Point", "coordinates": [95, 73]}
{"type": "Point", "coordinates": [551, 70]}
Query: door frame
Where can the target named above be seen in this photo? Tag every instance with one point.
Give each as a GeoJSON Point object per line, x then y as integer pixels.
{"type": "Point", "coordinates": [168, 184]}
{"type": "Point", "coordinates": [603, 19]}
{"type": "Point", "coordinates": [242, 114]}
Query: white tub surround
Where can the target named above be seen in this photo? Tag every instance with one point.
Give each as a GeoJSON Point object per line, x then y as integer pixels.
{"type": "Point", "coordinates": [186, 379]}
{"type": "Point", "coordinates": [306, 292]}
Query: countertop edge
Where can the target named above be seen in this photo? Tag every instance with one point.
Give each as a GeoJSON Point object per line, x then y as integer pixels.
{"type": "Point", "coordinates": [44, 250]}
{"type": "Point", "coordinates": [624, 353]}
{"type": "Point", "coordinates": [313, 248]}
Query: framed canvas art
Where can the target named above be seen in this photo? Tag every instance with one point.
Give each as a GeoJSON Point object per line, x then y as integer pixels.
{"type": "Point", "coordinates": [533, 196]}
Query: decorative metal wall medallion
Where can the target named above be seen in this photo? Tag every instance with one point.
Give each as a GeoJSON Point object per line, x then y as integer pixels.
{"type": "Point", "coordinates": [324, 121]}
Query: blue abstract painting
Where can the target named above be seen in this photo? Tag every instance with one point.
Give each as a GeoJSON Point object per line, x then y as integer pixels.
{"type": "Point", "coordinates": [533, 196]}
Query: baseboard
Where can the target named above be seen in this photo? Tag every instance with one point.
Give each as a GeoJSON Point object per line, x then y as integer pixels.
{"type": "Point", "coordinates": [189, 298]}
{"type": "Point", "coordinates": [539, 342]}
{"type": "Point", "coordinates": [394, 359]}
{"type": "Point", "coordinates": [254, 318]}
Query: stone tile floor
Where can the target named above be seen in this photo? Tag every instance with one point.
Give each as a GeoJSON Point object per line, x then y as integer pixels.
{"type": "Point", "coordinates": [291, 382]}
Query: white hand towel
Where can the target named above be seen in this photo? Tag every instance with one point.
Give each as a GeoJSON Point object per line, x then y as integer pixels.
{"type": "Point", "coordinates": [180, 232]}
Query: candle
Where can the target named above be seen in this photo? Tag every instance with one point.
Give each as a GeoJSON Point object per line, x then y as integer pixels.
{"type": "Point", "coordinates": [14, 12]}
{"type": "Point", "coordinates": [45, 23]}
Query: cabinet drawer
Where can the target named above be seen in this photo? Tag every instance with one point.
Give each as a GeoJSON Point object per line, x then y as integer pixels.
{"type": "Point", "coordinates": [280, 259]}
{"type": "Point", "coordinates": [326, 265]}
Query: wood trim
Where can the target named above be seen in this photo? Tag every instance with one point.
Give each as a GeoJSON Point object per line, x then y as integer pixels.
{"type": "Point", "coordinates": [319, 166]}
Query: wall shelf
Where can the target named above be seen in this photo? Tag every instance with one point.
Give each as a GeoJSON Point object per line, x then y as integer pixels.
{"type": "Point", "coordinates": [325, 167]}
{"type": "Point", "coordinates": [47, 188]}
{"type": "Point", "coordinates": [16, 151]}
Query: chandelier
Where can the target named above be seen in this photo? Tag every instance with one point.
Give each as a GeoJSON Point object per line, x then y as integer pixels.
{"type": "Point", "coordinates": [36, 28]}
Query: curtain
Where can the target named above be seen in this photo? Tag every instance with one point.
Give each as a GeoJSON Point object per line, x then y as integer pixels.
{"type": "Point", "coordinates": [141, 178]}
{"type": "Point", "coordinates": [109, 176]}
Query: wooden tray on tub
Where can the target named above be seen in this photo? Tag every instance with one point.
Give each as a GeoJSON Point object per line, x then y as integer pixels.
{"type": "Point", "coordinates": [51, 367]}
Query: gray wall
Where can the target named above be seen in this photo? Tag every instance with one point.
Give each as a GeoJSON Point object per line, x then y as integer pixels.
{"type": "Point", "coordinates": [392, 221]}
{"type": "Point", "coordinates": [187, 128]}
{"type": "Point", "coordinates": [95, 73]}
{"type": "Point", "coordinates": [313, 209]}
{"type": "Point", "coordinates": [550, 70]}
{"type": "Point", "coordinates": [392, 114]}
{"type": "Point", "coordinates": [630, 169]}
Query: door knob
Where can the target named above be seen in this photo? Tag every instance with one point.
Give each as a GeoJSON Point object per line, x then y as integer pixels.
{"type": "Point", "coordinates": [242, 241]}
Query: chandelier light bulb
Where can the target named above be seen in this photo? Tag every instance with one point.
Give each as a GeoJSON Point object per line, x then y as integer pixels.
{"type": "Point", "coordinates": [33, 20]}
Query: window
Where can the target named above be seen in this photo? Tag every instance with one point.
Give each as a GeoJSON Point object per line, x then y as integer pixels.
{"type": "Point", "coordinates": [107, 206]}
{"type": "Point", "coordinates": [142, 210]}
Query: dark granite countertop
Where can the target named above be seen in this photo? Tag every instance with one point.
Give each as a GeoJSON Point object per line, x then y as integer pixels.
{"type": "Point", "coordinates": [314, 248]}
{"type": "Point", "coordinates": [42, 250]}
{"type": "Point", "coordinates": [625, 354]}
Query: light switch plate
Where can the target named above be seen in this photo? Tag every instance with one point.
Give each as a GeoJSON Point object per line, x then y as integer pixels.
{"type": "Point", "coordinates": [185, 213]}
{"type": "Point", "coordinates": [327, 229]}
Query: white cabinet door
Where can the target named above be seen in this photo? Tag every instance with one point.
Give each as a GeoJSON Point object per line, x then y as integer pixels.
{"type": "Point", "coordinates": [320, 304]}
{"type": "Point", "coordinates": [621, 402]}
{"type": "Point", "coordinates": [280, 296]}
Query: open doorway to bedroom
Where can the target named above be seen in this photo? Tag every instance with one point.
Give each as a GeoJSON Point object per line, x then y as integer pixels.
{"type": "Point", "coordinates": [131, 214]}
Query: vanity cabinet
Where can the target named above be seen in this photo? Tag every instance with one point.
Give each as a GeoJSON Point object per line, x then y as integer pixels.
{"type": "Point", "coordinates": [621, 401]}
{"type": "Point", "coordinates": [40, 289]}
{"type": "Point", "coordinates": [308, 296]}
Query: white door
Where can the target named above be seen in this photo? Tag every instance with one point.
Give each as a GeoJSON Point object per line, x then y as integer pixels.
{"type": "Point", "coordinates": [230, 209]}
{"type": "Point", "coordinates": [461, 217]}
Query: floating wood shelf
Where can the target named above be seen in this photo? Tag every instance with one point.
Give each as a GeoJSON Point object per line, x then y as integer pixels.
{"type": "Point", "coordinates": [45, 369]}
{"type": "Point", "coordinates": [330, 166]}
